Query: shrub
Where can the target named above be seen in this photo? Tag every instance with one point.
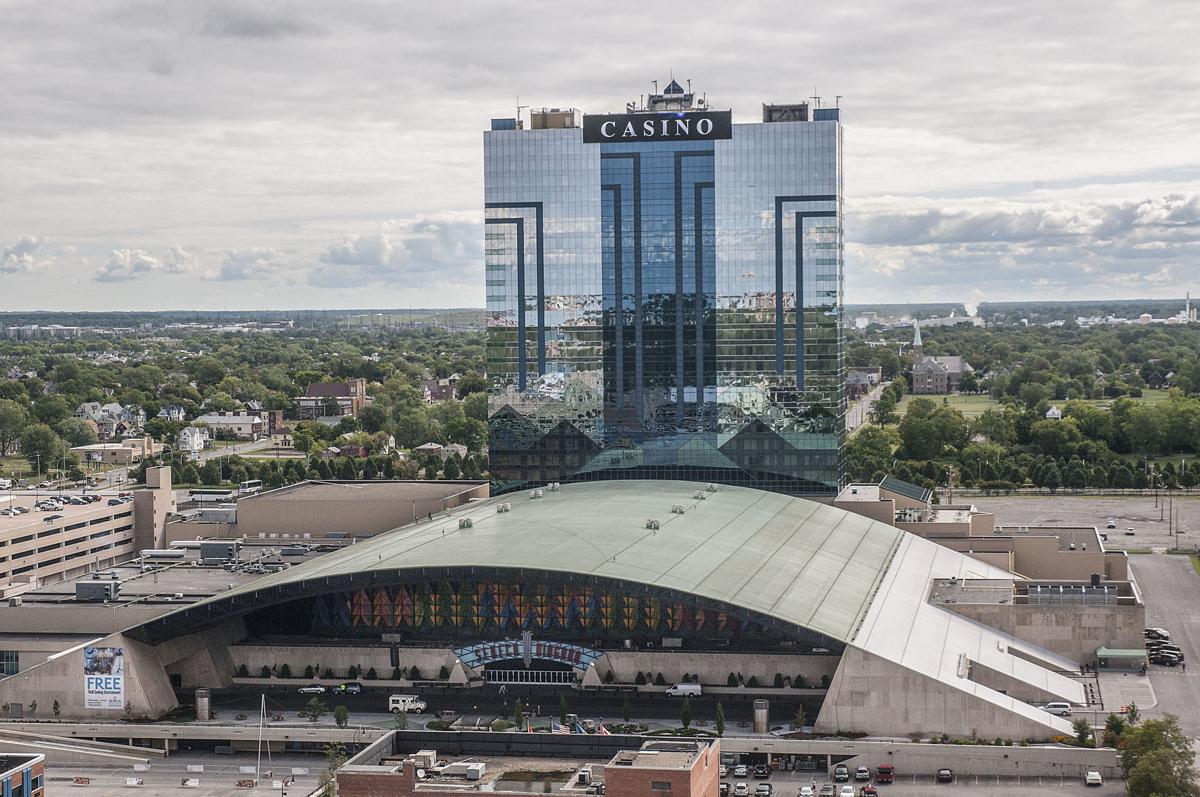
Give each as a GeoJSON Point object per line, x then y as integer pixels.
{"type": "Point", "coordinates": [731, 680]}
{"type": "Point", "coordinates": [753, 682]}
{"type": "Point", "coordinates": [243, 671]}
{"type": "Point", "coordinates": [309, 672]}
{"type": "Point", "coordinates": [659, 680]}
{"type": "Point", "coordinates": [778, 680]}
{"type": "Point", "coordinates": [825, 681]}
{"type": "Point", "coordinates": [444, 673]}
{"type": "Point", "coordinates": [372, 675]}
{"type": "Point", "coordinates": [640, 680]}
{"type": "Point", "coordinates": [609, 677]}
{"type": "Point", "coordinates": [397, 674]}
{"type": "Point", "coordinates": [352, 672]}
{"type": "Point", "coordinates": [798, 682]}
{"type": "Point", "coordinates": [328, 673]}
{"type": "Point", "coordinates": [285, 671]}
{"type": "Point", "coordinates": [265, 672]}
{"type": "Point", "coordinates": [414, 674]}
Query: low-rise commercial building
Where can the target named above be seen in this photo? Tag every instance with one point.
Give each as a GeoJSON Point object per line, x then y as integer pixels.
{"type": "Point", "coordinates": [22, 774]}
{"type": "Point", "coordinates": [126, 452]}
{"type": "Point", "coordinates": [325, 399]}
{"type": "Point", "coordinates": [241, 425]}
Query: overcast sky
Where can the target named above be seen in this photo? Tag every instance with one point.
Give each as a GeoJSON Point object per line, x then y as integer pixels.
{"type": "Point", "coordinates": [163, 155]}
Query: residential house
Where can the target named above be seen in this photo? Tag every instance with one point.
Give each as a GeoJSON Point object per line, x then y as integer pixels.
{"type": "Point", "coordinates": [442, 452]}
{"type": "Point", "coordinates": [240, 425]}
{"type": "Point", "coordinates": [434, 390]}
{"type": "Point", "coordinates": [324, 399]}
{"type": "Point", "coordinates": [173, 412]}
{"type": "Point", "coordinates": [860, 381]}
{"type": "Point", "coordinates": [1156, 381]}
{"type": "Point", "coordinates": [1054, 414]}
{"type": "Point", "coordinates": [112, 420]}
{"type": "Point", "coordinates": [192, 440]}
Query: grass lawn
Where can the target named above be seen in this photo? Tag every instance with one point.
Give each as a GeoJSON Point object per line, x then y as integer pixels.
{"type": "Point", "coordinates": [969, 406]}
{"type": "Point", "coordinates": [972, 406]}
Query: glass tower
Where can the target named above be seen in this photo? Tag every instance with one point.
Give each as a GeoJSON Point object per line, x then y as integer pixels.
{"type": "Point", "coordinates": [664, 294]}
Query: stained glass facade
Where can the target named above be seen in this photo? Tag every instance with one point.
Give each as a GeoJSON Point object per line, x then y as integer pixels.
{"type": "Point", "coordinates": [642, 306]}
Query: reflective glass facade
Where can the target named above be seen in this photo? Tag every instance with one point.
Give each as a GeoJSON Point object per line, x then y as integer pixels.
{"type": "Point", "coordinates": [642, 307]}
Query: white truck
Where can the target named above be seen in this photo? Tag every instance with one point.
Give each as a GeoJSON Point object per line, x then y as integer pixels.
{"type": "Point", "coordinates": [409, 704]}
{"type": "Point", "coordinates": [684, 690]}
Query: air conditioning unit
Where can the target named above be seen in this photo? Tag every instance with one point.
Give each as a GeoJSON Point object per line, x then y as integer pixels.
{"type": "Point", "coordinates": [505, 507]}
{"type": "Point", "coordinates": [465, 523]}
{"type": "Point", "coordinates": [14, 601]}
{"type": "Point", "coordinates": [651, 523]}
{"type": "Point", "coordinates": [678, 509]}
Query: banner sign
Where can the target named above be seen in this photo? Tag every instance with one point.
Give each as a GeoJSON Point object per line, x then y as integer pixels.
{"type": "Point", "coordinates": [507, 649]}
{"type": "Point", "coordinates": [624, 128]}
{"type": "Point", "coordinates": [104, 677]}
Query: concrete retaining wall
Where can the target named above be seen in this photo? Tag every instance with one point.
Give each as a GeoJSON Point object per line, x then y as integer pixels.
{"type": "Point", "coordinates": [714, 668]}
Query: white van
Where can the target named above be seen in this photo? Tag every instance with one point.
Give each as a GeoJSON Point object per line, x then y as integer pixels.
{"type": "Point", "coordinates": [409, 704]}
{"type": "Point", "coordinates": [688, 690]}
{"type": "Point", "coordinates": [1061, 709]}
{"type": "Point", "coordinates": [5, 484]}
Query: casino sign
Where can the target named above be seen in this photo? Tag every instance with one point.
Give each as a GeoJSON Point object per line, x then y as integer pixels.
{"type": "Point", "coordinates": [527, 649]}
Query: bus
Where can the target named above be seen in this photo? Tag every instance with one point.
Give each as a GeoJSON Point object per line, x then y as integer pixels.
{"type": "Point", "coordinates": [250, 487]}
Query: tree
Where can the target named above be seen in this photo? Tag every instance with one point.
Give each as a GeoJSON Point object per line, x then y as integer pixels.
{"type": "Point", "coordinates": [1157, 757]}
{"type": "Point", "coordinates": [625, 710]}
{"type": "Point", "coordinates": [373, 418]}
{"type": "Point", "coordinates": [451, 470]}
{"type": "Point", "coordinates": [41, 446]}
{"type": "Point", "coordinates": [76, 432]}
{"type": "Point", "coordinates": [1083, 732]}
{"type": "Point", "coordinates": [685, 713]}
{"type": "Point", "coordinates": [12, 420]}
{"type": "Point", "coordinates": [341, 716]}
{"type": "Point", "coordinates": [720, 723]}
{"type": "Point", "coordinates": [314, 709]}
{"type": "Point", "coordinates": [518, 713]}
{"type": "Point", "coordinates": [1114, 726]}
{"type": "Point", "coordinates": [799, 719]}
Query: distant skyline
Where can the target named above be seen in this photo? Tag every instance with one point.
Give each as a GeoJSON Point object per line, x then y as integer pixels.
{"type": "Point", "coordinates": [223, 155]}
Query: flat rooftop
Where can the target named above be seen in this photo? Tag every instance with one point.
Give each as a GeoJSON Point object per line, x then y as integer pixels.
{"type": "Point", "coordinates": [660, 755]}
{"type": "Point", "coordinates": [362, 490]}
{"type": "Point", "coordinates": [1082, 537]}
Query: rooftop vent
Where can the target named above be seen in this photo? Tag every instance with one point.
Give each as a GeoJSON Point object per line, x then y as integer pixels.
{"type": "Point", "coordinates": [651, 523]}
{"type": "Point", "coordinates": [711, 487]}
{"type": "Point", "coordinates": [505, 507]}
{"type": "Point", "coordinates": [465, 523]}
{"type": "Point", "coordinates": [535, 494]}
{"type": "Point", "coordinates": [699, 495]}
{"type": "Point", "coordinates": [678, 509]}
{"type": "Point", "coordinates": [553, 487]}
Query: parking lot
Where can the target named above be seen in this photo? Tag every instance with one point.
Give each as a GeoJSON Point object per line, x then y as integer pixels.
{"type": "Point", "coordinates": [1171, 589]}
{"type": "Point", "coordinates": [1136, 511]}
{"type": "Point", "coordinates": [788, 784]}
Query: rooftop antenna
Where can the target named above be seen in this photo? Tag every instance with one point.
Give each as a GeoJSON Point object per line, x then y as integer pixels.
{"type": "Point", "coordinates": [837, 100]}
{"type": "Point", "coordinates": [689, 85]}
{"type": "Point", "coordinates": [519, 107]}
{"type": "Point", "coordinates": [655, 82]}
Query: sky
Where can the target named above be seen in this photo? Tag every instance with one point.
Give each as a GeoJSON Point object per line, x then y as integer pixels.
{"type": "Point", "coordinates": [268, 155]}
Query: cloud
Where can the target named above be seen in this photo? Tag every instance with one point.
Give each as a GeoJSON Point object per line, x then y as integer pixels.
{"type": "Point", "coordinates": [248, 264]}
{"type": "Point", "coordinates": [990, 248]}
{"type": "Point", "coordinates": [128, 264]}
{"type": "Point", "coordinates": [251, 21]}
{"type": "Point", "coordinates": [21, 257]}
{"type": "Point", "coordinates": [445, 249]}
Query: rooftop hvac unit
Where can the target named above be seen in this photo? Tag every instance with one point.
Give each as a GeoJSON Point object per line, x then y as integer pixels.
{"type": "Point", "coordinates": [14, 601]}
{"type": "Point", "coordinates": [553, 487]}
{"type": "Point", "coordinates": [505, 507]}
{"type": "Point", "coordinates": [651, 523]}
{"type": "Point", "coordinates": [178, 596]}
{"type": "Point", "coordinates": [699, 495]}
{"type": "Point", "coordinates": [711, 487]}
{"type": "Point", "coordinates": [465, 523]}
{"type": "Point", "coordinates": [678, 509]}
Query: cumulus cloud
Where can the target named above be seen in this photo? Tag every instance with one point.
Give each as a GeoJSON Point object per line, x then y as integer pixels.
{"type": "Point", "coordinates": [248, 264]}
{"type": "Point", "coordinates": [994, 248]}
{"type": "Point", "coordinates": [22, 257]}
{"type": "Point", "coordinates": [444, 249]}
{"type": "Point", "coordinates": [128, 264]}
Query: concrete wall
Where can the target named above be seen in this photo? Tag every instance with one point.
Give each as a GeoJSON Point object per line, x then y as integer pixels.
{"type": "Point", "coordinates": [872, 695]}
{"type": "Point", "coordinates": [883, 510]}
{"type": "Point", "coordinates": [151, 508]}
{"type": "Point", "coordinates": [1071, 630]}
{"type": "Point", "coordinates": [714, 668]}
{"type": "Point", "coordinates": [147, 687]}
{"type": "Point", "coordinates": [203, 659]}
{"type": "Point", "coordinates": [428, 660]}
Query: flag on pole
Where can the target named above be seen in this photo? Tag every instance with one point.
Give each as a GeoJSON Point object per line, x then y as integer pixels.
{"type": "Point", "coordinates": [579, 728]}
{"type": "Point", "coordinates": [528, 726]}
{"type": "Point", "coordinates": [556, 728]}
{"type": "Point", "coordinates": [603, 731]}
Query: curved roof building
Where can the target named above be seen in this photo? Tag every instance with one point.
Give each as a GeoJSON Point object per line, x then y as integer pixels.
{"type": "Point", "coordinates": [670, 576]}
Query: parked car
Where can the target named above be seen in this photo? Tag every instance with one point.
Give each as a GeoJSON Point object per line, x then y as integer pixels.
{"type": "Point", "coordinates": [841, 774]}
{"type": "Point", "coordinates": [807, 791]}
{"type": "Point", "coordinates": [741, 771]}
{"type": "Point", "coordinates": [869, 791]}
{"type": "Point", "coordinates": [846, 791]}
{"type": "Point", "coordinates": [862, 774]}
{"type": "Point", "coordinates": [762, 771]}
{"type": "Point", "coordinates": [885, 773]}
{"type": "Point", "coordinates": [312, 689]}
{"type": "Point", "coordinates": [685, 690]}
{"type": "Point", "coordinates": [115, 502]}
{"type": "Point", "coordinates": [826, 790]}
{"type": "Point", "coordinates": [764, 790]}
{"type": "Point", "coordinates": [348, 688]}
{"type": "Point", "coordinates": [1129, 532]}
{"type": "Point", "coordinates": [945, 775]}
{"type": "Point", "coordinates": [1112, 523]}
{"type": "Point", "coordinates": [740, 789]}
{"type": "Point", "coordinates": [1061, 709]}
{"type": "Point", "coordinates": [1092, 778]}
{"type": "Point", "coordinates": [51, 518]}
{"type": "Point", "coordinates": [1166, 659]}
{"type": "Point", "coordinates": [724, 790]}
{"type": "Point", "coordinates": [1158, 633]}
